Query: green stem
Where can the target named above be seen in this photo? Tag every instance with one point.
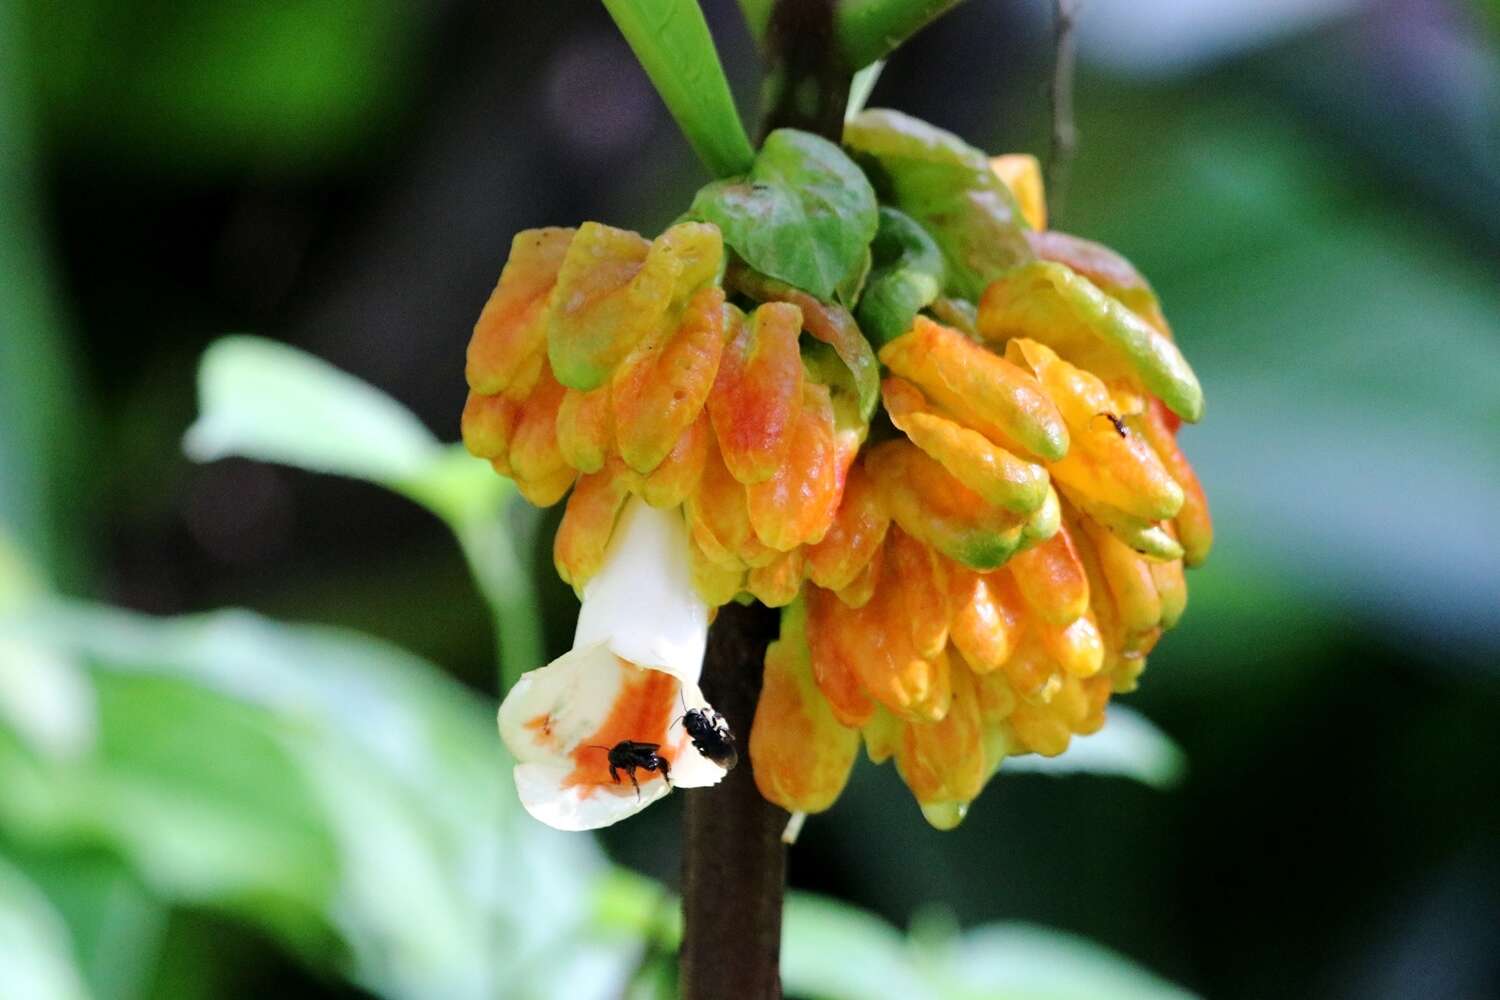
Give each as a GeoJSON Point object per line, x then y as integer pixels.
{"type": "Point", "coordinates": [757, 16]}
{"type": "Point", "coordinates": [871, 29]}
{"type": "Point", "coordinates": [493, 558]}
{"type": "Point", "coordinates": [671, 40]}
{"type": "Point", "coordinates": [1064, 133]}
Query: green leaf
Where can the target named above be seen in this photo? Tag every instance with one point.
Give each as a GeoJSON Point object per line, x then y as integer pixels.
{"type": "Point", "coordinates": [18, 580]}
{"type": "Point", "coordinates": [216, 89]}
{"type": "Point", "coordinates": [38, 959]}
{"type": "Point", "coordinates": [1021, 962]}
{"type": "Point", "coordinates": [948, 187]}
{"type": "Point", "coordinates": [1129, 746]}
{"type": "Point", "coordinates": [265, 400]}
{"type": "Point", "coordinates": [1051, 303]}
{"type": "Point", "coordinates": [868, 30]}
{"type": "Point", "coordinates": [909, 275]}
{"type": "Point", "coordinates": [834, 951]}
{"type": "Point", "coordinates": [41, 424]}
{"type": "Point", "coordinates": [119, 930]}
{"type": "Point", "coordinates": [804, 214]}
{"type": "Point", "coordinates": [45, 698]}
{"type": "Point", "coordinates": [321, 784]}
{"type": "Point", "coordinates": [671, 40]}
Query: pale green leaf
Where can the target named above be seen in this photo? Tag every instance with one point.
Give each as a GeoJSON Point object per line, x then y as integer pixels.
{"type": "Point", "coordinates": [264, 400]}
{"type": "Point", "coordinates": [1129, 746]}
{"type": "Point", "coordinates": [45, 699]}
{"type": "Point", "coordinates": [268, 401]}
{"type": "Point", "coordinates": [836, 952]}
{"type": "Point", "coordinates": [1022, 962]}
{"type": "Point", "coordinates": [318, 783]}
{"type": "Point", "coordinates": [36, 953]}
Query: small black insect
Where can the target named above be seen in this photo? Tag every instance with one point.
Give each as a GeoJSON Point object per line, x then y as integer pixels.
{"type": "Point", "coordinates": [710, 734]}
{"type": "Point", "coordinates": [630, 755]}
{"type": "Point", "coordinates": [1116, 422]}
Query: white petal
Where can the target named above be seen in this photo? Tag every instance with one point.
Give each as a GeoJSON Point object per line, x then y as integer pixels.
{"type": "Point", "coordinates": [581, 807]}
{"type": "Point", "coordinates": [551, 711]}
{"type": "Point", "coordinates": [642, 602]}
{"type": "Point", "coordinates": [573, 694]}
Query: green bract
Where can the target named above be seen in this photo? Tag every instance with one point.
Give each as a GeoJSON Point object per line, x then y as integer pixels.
{"type": "Point", "coordinates": [909, 274]}
{"type": "Point", "coordinates": [948, 187]}
{"type": "Point", "coordinates": [1056, 306]}
{"type": "Point", "coordinates": [804, 214]}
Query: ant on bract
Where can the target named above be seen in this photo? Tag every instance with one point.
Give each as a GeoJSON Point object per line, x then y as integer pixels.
{"type": "Point", "coordinates": [1116, 422]}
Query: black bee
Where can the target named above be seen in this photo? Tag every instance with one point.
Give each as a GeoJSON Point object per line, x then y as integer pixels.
{"type": "Point", "coordinates": [710, 734]}
{"type": "Point", "coordinates": [1116, 422]}
{"type": "Point", "coordinates": [630, 755]}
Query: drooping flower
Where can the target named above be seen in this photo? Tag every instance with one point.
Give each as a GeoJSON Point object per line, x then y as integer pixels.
{"type": "Point", "coordinates": [974, 581]}
{"type": "Point", "coordinates": [631, 676]}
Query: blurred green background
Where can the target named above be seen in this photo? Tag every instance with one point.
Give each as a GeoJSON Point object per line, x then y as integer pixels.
{"type": "Point", "coordinates": [205, 803]}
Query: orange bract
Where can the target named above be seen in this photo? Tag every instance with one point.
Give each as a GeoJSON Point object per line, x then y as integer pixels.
{"type": "Point", "coordinates": [756, 398]}
{"type": "Point", "coordinates": [982, 390]}
{"type": "Point", "coordinates": [509, 342]}
{"type": "Point", "coordinates": [802, 756]}
{"type": "Point", "coordinates": [660, 389]}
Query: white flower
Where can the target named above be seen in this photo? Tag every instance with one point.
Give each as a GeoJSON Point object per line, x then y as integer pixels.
{"type": "Point", "coordinates": [632, 673]}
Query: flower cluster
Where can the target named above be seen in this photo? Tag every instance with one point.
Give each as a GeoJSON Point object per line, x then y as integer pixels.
{"type": "Point", "coordinates": [955, 468]}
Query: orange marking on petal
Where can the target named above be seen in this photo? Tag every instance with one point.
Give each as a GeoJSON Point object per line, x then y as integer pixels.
{"type": "Point", "coordinates": [642, 712]}
{"type": "Point", "coordinates": [542, 725]}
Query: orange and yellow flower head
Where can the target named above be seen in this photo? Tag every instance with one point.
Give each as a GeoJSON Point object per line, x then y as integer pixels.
{"type": "Point", "coordinates": [961, 482]}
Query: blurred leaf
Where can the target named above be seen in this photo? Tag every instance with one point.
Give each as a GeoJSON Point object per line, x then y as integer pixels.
{"type": "Point", "coordinates": [36, 955]}
{"type": "Point", "coordinates": [118, 929]}
{"type": "Point", "coordinates": [833, 951]}
{"type": "Point", "coordinates": [45, 699]}
{"type": "Point", "coordinates": [220, 86]}
{"type": "Point", "coordinates": [264, 400]}
{"type": "Point", "coordinates": [804, 214]}
{"type": "Point", "coordinates": [195, 792]}
{"type": "Point", "coordinates": [318, 783]}
{"type": "Point", "coordinates": [868, 30]}
{"type": "Point", "coordinates": [1129, 746]}
{"type": "Point", "coordinates": [41, 412]}
{"type": "Point", "coordinates": [656, 979]}
{"type": "Point", "coordinates": [18, 581]}
{"type": "Point", "coordinates": [1022, 962]}
{"type": "Point", "coordinates": [670, 39]}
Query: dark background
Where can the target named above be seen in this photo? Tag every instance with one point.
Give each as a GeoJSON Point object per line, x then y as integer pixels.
{"type": "Point", "coordinates": [1315, 197]}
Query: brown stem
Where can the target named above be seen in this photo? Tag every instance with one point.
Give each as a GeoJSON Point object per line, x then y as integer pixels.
{"type": "Point", "coordinates": [733, 861]}
{"type": "Point", "coordinates": [1064, 133]}
{"type": "Point", "coordinates": [807, 81]}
